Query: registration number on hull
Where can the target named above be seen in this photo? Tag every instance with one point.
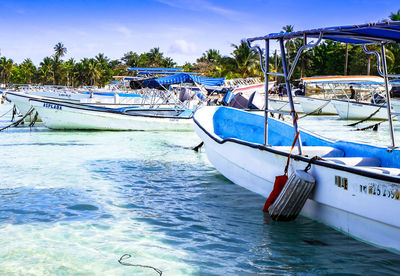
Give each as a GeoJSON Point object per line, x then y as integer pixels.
{"type": "Point", "coordinates": [52, 106]}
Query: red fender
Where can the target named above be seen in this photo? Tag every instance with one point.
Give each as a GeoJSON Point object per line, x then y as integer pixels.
{"type": "Point", "coordinates": [280, 182]}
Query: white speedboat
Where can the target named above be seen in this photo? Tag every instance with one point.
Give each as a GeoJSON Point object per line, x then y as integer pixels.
{"type": "Point", "coordinates": [284, 105]}
{"type": "Point", "coordinates": [365, 201]}
{"type": "Point", "coordinates": [357, 188]}
{"type": "Point", "coordinates": [314, 106]}
{"type": "Point", "coordinates": [21, 99]}
{"type": "Point", "coordinates": [64, 115]}
{"type": "Point", "coordinates": [352, 110]}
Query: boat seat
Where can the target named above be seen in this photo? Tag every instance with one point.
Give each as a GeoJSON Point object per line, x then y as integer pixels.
{"type": "Point", "coordinates": [391, 171]}
{"type": "Point", "coordinates": [312, 151]}
{"type": "Point", "coordinates": [355, 161]}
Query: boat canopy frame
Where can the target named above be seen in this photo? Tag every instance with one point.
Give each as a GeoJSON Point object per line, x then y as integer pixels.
{"type": "Point", "coordinates": [366, 34]}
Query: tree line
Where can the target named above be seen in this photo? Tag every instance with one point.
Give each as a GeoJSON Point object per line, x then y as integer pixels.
{"type": "Point", "coordinates": [329, 58]}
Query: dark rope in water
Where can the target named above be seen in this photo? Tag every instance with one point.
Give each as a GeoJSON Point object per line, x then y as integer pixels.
{"type": "Point", "coordinates": [127, 256]}
{"type": "Point", "coordinates": [16, 123]}
{"type": "Point", "coordinates": [35, 118]}
{"type": "Point", "coordinates": [373, 126]}
{"type": "Point", "coordinates": [196, 148]}
{"type": "Point", "coordinates": [14, 113]}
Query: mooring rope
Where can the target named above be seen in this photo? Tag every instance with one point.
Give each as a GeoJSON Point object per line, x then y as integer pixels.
{"type": "Point", "coordinates": [16, 123]}
{"type": "Point", "coordinates": [14, 112]}
{"type": "Point", "coordinates": [316, 111]}
{"type": "Point", "coordinates": [127, 256]}
{"type": "Point", "coordinates": [373, 126]}
{"type": "Point", "coordinates": [6, 113]}
{"type": "Point", "coordinates": [369, 117]}
{"type": "Point", "coordinates": [196, 148]}
{"type": "Point", "coordinates": [35, 118]}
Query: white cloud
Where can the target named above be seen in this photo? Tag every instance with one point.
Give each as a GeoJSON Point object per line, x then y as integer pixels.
{"type": "Point", "coordinates": [182, 47]}
{"type": "Point", "coordinates": [123, 30]}
{"type": "Point", "coordinates": [199, 5]}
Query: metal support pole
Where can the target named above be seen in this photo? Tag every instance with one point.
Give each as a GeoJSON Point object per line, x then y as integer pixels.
{"type": "Point", "coordinates": [266, 108]}
{"type": "Point", "coordinates": [289, 93]}
{"type": "Point", "coordinates": [389, 106]}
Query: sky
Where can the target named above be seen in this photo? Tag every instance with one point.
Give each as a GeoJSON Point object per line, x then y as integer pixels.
{"type": "Point", "coordinates": [183, 29]}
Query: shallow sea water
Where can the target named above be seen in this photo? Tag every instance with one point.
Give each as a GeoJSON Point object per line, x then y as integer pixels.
{"type": "Point", "coordinates": [72, 203]}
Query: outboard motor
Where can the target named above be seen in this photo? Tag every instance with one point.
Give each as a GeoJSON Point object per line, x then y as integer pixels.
{"type": "Point", "coordinates": [250, 104]}
{"type": "Point", "coordinates": [377, 99]}
{"type": "Point", "coordinates": [239, 102]}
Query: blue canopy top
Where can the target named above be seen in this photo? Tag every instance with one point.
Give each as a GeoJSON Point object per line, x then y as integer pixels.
{"type": "Point", "coordinates": [356, 34]}
{"type": "Point", "coordinates": [182, 77]}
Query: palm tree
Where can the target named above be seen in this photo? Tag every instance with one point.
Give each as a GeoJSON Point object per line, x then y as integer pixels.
{"type": "Point", "coordinates": [6, 66]}
{"type": "Point", "coordinates": [102, 60]}
{"type": "Point", "coordinates": [60, 50]}
{"type": "Point", "coordinates": [245, 59]}
{"type": "Point", "coordinates": [94, 71]}
{"type": "Point", "coordinates": [131, 59]}
{"type": "Point", "coordinates": [211, 55]}
{"type": "Point", "coordinates": [155, 57]}
{"type": "Point", "coordinates": [56, 63]}
{"type": "Point", "coordinates": [395, 16]}
{"type": "Point", "coordinates": [168, 62]}
{"type": "Point", "coordinates": [46, 69]}
{"type": "Point", "coordinates": [69, 69]}
{"type": "Point", "coordinates": [288, 29]}
{"type": "Point", "coordinates": [27, 70]}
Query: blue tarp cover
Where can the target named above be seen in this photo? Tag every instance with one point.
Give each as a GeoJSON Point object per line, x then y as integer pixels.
{"type": "Point", "coordinates": [356, 34]}
{"type": "Point", "coordinates": [182, 77]}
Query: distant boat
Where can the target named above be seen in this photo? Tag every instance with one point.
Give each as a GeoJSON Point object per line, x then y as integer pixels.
{"type": "Point", "coordinates": [333, 88]}
{"type": "Point", "coordinates": [353, 110]}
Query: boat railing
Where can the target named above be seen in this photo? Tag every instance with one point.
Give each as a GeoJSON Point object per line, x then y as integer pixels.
{"type": "Point", "coordinates": [373, 33]}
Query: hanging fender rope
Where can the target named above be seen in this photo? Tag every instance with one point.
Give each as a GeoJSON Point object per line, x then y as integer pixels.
{"type": "Point", "coordinates": [127, 256]}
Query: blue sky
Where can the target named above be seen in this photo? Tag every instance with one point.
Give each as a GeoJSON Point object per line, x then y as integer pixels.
{"type": "Point", "coordinates": [182, 29]}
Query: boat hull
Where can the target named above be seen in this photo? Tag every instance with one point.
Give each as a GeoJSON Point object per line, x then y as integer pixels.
{"type": "Point", "coordinates": [68, 116]}
{"type": "Point", "coordinates": [284, 106]}
{"type": "Point", "coordinates": [313, 106]}
{"type": "Point", "coordinates": [355, 209]}
{"type": "Point", "coordinates": [348, 110]}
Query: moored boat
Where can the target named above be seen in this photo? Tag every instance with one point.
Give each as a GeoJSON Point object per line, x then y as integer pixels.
{"type": "Point", "coordinates": [314, 106]}
{"type": "Point", "coordinates": [353, 110]}
{"type": "Point", "coordinates": [357, 184]}
{"type": "Point", "coordinates": [63, 115]}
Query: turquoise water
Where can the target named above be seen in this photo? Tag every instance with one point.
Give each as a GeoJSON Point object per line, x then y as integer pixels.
{"type": "Point", "coordinates": [72, 203]}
